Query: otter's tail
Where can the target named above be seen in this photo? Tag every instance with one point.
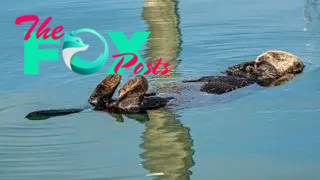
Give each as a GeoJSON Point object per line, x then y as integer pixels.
{"type": "Point", "coordinates": [46, 114]}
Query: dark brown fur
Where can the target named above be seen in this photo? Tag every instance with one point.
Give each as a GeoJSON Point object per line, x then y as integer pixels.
{"type": "Point", "coordinates": [133, 96]}
{"type": "Point", "coordinates": [102, 94]}
{"type": "Point", "coordinates": [271, 68]}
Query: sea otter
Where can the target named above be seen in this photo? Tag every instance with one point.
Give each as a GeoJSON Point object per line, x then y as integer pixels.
{"type": "Point", "coordinates": [271, 68]}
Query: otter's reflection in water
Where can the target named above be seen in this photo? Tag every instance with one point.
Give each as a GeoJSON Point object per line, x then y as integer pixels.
{"type": "Point", "coordinates": [167, 143]}
{"type": "Point", "coordinates": [164, 41]}
{"type": "Point", "coordinates": [168, 146]}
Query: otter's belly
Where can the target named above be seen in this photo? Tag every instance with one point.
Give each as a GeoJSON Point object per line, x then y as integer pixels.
{"type": "Point", "coordinates": [190, 96]}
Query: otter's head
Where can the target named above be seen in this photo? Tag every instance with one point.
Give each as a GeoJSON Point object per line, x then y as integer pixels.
{"type": "Point", "coordinates": [283, 62]}
{"type": "Point", "coordinates": [102, 94]}
{"type": "Point", "coordinates": [273, 65]}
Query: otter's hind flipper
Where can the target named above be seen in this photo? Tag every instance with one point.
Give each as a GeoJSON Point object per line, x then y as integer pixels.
{"type": "Point", "coordinates": [131, 95]}
{"type": "Point", "coordinates": [102, 94]}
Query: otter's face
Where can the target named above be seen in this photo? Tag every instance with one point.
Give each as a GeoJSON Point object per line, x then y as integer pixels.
{"type": "Point", "coordinates": [283, 62]}
{"type": "Point", "coordinates": [274, 65]}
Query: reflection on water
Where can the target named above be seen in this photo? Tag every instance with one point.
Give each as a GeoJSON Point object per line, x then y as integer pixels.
{"type": "Point", "coordinates": [166, 141]}
{"type": "Point", "coordinates": [167, 145]}
{"type": "Point", "coordinates": [164, 42]}
{"type": "Point", "coordinates": [311, 15]}
{"type": "Point", "coordinates": [311, 12]}
{"type": "Point", "coordinates": [271, 134]}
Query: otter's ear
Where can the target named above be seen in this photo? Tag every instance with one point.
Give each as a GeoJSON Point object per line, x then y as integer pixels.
{"type": "Point", "coordinates": [72, 33]}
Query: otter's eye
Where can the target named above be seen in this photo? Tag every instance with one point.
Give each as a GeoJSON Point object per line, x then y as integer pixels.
{"type": "Point", "coordinates": [77, 41]}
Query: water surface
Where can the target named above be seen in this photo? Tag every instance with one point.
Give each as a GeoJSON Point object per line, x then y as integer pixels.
{"type": "Point", "coordinates": [267, 134]}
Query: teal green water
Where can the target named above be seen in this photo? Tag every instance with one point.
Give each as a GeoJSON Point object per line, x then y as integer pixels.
{"type": "Point", "coordinates": [270, 134]}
